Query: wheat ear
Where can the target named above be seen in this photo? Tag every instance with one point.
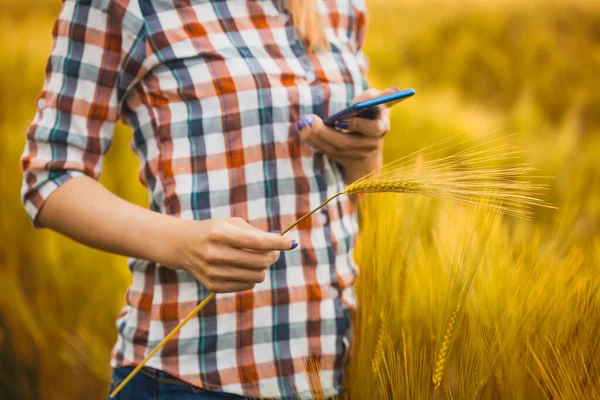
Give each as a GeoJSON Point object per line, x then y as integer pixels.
{"type": "Point", "coordinates": [440, 362]}
{"type": "Point", "coordinates": [486, 175]}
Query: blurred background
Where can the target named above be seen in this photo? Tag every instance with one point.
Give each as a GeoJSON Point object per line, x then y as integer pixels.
{"type": "Point", "coordinates": [499, 66]}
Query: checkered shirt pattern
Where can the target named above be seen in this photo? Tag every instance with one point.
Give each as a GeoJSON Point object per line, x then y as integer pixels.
{"type": "Point", "coordinates": [212, 91]}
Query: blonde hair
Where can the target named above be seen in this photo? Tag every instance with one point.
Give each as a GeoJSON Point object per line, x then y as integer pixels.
{"type": "Point", "coordinates": [308, 23]}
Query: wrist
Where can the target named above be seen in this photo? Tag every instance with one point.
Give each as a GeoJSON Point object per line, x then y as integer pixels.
{"type": "Point", "coordinates": [166, 244]}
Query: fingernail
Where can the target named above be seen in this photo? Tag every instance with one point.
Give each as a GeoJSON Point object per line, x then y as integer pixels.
{"type": "Point", "coordinates": [275, 231]}
{"type": "Point", "coordinates": [342, 124]}
{"type": "Point", "coordinates": [395, 88]}
{"type": "Point", "coordinates": [300, 125]}
{"type": "Point", "coordinates": [294, 244]}
{"type": "Point", "coordinates": [307, 120]}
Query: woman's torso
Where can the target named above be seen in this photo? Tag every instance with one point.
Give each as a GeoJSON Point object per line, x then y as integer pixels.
{"type": "Point", "coordinates": [214, 127]}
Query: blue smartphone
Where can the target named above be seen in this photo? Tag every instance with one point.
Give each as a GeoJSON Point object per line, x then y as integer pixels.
{"type": "Point", "coordinates": [366, 109]}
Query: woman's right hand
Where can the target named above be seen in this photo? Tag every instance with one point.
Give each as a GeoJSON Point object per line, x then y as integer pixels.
{"type": "Point", "coordinates": [225, 255]}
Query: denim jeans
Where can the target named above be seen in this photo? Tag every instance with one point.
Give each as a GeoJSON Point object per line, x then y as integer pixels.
{"type": "Point", "coordinates": [151, 384]}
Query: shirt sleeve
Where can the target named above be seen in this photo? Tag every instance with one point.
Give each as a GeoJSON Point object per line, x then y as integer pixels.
{"type": "Point", "coordinates": [78, 105]}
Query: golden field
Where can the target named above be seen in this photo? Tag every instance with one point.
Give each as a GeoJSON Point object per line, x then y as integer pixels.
{"type": "Point", "coordinates": [485, 306]}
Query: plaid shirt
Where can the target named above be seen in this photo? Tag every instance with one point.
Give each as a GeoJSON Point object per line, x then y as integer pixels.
{"type": "Point", "coordinates": [212, 90]}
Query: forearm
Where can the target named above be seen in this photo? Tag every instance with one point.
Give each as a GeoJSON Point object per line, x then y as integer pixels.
{"type": "Point", "coordinates": [85, 211]}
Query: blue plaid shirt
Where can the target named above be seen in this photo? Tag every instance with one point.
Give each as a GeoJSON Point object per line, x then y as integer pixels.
{"type": "Point", "coordinates": [212, 90]}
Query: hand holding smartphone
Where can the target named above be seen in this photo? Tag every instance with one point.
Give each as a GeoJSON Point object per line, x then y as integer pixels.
{"type": "Point", "coordinates": [367, 109]}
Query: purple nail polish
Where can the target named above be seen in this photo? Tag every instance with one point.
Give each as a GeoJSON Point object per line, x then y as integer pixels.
{"type": "Point", "coordinates": [342, 124]}
{"type": "Point", "coordinates": [275, 231]}
{"type": "Point", "coordinates": [308, 120]}
{"type": "Point", "coordinates": [299, 125]}
{"type": "Point", "coordinates": [395, 88]}
{"type": "Point", "coordinates": [294, 244]}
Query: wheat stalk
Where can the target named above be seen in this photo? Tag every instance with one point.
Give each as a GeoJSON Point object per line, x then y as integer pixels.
{"type": "Point", "coordinates": [467, 177]}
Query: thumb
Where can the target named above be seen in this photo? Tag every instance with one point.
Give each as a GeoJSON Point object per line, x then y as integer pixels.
{"type": "Point", "coordinates": [368, 94]}
{"type": "Point", "coordinates": [388, 91]}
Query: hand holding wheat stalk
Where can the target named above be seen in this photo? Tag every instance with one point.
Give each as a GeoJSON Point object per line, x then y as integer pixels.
{"type": "Point", "coordinates": [486, 175]}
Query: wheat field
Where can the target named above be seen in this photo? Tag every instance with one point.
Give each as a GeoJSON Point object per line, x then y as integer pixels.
{"type": "Point", "coordinates": [469, 304]}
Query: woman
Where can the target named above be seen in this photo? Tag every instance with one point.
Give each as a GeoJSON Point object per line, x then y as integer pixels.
{"type": "Point", "coordinates": [226, 100]}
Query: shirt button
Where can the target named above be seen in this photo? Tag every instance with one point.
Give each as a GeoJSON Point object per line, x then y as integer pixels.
{"type": "Point", "coordinates": [310, 77]}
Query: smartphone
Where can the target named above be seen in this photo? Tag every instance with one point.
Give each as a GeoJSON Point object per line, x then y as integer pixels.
{"type": "Point", "coordinates": [366, 109]}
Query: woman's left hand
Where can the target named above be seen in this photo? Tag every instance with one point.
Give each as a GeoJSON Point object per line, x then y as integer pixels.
{"type": "Point", "coordinates": [353, 141]}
